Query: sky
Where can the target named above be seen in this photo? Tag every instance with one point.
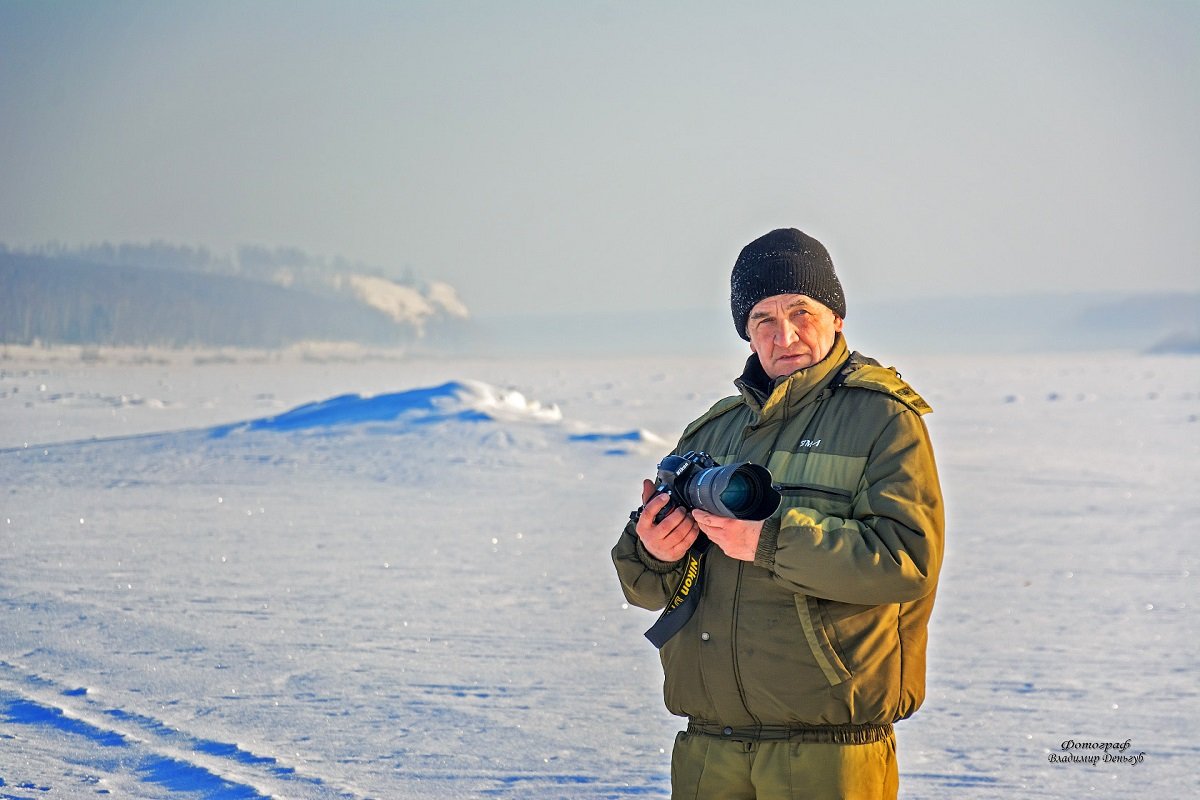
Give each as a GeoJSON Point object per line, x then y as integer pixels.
{"type": "Point", "coordinates": [600, 156]}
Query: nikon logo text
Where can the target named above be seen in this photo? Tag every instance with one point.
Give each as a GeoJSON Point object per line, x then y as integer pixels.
{"type": "Point", "coordinates": [689, 579]}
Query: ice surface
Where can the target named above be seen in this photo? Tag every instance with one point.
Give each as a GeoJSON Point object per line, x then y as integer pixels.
{"type": "Point", "coordinates": [357, 575]}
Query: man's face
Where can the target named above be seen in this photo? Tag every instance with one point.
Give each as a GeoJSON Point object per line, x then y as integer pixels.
{"type": "Point", "coordinates": [790, 332]}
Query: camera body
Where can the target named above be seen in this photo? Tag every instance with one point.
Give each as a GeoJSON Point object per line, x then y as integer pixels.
{"type": "Point", "coordinates": [695, 480]}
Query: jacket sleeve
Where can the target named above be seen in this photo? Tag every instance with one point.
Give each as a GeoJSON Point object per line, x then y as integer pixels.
{"type": "Point", "coordinates": [889, 549]}
{"type": "Point", "coordinates": [647, 582]}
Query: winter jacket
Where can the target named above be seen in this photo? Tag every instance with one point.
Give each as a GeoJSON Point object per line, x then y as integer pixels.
{"type": "Point", "coordinates": [826, 629]}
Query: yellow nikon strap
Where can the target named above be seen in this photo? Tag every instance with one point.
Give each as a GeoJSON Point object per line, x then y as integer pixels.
{"type": "Point", "coordinates": [685, 600]}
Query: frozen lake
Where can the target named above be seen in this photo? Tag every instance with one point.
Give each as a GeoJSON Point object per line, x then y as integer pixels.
{"type": "Point", "coordinates": [334, 573]}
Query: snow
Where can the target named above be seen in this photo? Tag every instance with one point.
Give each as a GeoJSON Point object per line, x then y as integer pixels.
{"type": "Point", "coordinates": [348, 573]}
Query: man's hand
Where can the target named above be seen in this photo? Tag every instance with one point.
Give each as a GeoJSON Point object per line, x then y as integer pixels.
{"type": "Point", "coordinates": [671, 538]}
{"type": "Point", "coordinates": [737, 538]}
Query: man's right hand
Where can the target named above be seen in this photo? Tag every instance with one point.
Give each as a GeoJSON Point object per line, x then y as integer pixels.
{"type": "Point", "coordinates": [670, 539]}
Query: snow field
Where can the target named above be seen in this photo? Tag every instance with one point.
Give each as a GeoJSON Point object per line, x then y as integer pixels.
{"type": "Point", "coordinates": [422, 605]}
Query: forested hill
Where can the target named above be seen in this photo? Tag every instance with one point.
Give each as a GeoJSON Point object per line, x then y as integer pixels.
{"type": "Point", "coordinates": [69, 298]}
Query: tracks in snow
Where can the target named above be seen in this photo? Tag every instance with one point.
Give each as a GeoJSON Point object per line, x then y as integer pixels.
{"type": "Point", "coordinates": [115, 750]}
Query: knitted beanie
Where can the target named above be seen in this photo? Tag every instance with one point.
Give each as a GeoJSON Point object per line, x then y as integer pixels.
{"type": "Point", "coordinates": [785, 261]}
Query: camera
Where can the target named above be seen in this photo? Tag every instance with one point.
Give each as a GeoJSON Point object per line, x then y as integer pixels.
{"type": "Point", "coordinates": [695, 480]}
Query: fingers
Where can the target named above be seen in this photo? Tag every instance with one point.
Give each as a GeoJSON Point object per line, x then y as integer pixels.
{"type": "Point", "coordinates": [647, 490]}
{"type": "Point", "coordinates": [711, 522]}
{"type": "Point", "coordinates": [647, 528]}
{"type": "Point", "coordinates": [716, 527]}
{"type": "Point", "coordinates": [675, 544]}
{"type": "Point", "coordinates": [678, 525]}
{"type": "Point", "coordinates": [651, 506]}
{"type": "Point", "coordinates": [736, 538]}
{"type": "Point", "coordinates": [669, 539]}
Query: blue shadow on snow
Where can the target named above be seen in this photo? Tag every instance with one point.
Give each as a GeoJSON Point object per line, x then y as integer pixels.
{"type": "Point", "coordinates": [171, 773]}
{"type": "Point", "coordinates": [424, 406]}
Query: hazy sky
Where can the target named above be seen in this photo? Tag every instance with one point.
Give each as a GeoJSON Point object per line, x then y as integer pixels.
{"type": "Point", "coordinates": [578, 155]}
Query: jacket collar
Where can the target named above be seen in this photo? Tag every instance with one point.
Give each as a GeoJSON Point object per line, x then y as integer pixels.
{"type": "Point", "coordinates": [769, 397]}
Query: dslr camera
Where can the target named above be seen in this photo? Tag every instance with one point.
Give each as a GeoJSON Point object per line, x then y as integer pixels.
{"type": "Point", "coordinates": [695, 480]}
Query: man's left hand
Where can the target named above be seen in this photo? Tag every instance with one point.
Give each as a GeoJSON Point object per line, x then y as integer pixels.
{"type": "Point", "coordinates": [737, 538]}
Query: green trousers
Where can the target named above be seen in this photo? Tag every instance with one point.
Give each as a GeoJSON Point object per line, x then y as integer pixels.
{"type": "Point", "coordinates": [710, 768]}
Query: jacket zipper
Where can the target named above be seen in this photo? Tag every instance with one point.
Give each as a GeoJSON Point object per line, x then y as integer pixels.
{"type": "Point", "coordinates": [798, 488]}
{"type": "Point", "coordinates": [737, 669]}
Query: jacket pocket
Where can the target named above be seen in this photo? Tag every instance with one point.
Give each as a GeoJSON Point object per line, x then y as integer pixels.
{"type": "Point", "coordinates": [805, 489]}
{"type": "Point", "coordinates": [827, 658]}
{"type": "Point", "coordinates": [825, 499]}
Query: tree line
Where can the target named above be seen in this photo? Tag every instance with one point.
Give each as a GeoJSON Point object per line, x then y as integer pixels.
{"type": "Point", "coordinates": [104, 296]}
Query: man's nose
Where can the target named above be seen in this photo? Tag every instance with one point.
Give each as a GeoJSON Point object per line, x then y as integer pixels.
{"type": "Point", "coordinates": [786, 335]}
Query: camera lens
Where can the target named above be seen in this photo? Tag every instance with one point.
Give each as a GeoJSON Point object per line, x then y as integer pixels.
{"type": "Point", "coordinates": [738, 496]}
{"type": "Point", "coordinates": [741, 491]}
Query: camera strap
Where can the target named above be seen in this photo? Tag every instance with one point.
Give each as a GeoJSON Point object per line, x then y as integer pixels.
{"type": "Point", "coordinates": [685, 600]}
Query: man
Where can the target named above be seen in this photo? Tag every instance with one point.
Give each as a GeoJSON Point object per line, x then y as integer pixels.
{"type": "Point", "coordinates": [808, 641]}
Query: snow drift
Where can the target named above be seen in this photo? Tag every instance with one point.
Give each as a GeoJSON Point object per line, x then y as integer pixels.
{"type": "Point", "coordinates": [468, 402]}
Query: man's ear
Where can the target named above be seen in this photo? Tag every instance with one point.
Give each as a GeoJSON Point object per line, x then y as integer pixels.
{"type": "Point", "coordinates": [837, 322]}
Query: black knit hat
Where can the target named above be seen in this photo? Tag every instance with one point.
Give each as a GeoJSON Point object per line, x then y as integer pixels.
{"type": "Point", "coordinates": [785, 261]}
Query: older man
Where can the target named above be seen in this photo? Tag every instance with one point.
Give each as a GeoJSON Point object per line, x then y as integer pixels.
{"type": "Point", "coordinates": [808, 641]}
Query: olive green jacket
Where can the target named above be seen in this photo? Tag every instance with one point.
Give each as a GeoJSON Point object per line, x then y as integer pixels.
{"type": "Point", "coordinates": [827, 627]}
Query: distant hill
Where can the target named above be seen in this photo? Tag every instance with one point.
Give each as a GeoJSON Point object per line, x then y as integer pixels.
{"type": "Point", "coordinates": [171, 296]}
{"type": "Point", "coordinates": [1019, 324]}
{"type": "Point", "coordinates": [1150, 322]}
